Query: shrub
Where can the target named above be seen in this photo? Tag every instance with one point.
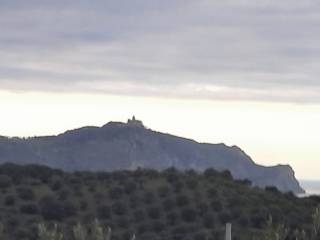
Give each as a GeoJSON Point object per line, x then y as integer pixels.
{"type": "Point", "coordinates": [208, 220]}
{"type": "Point", "coordinates": [119, 208]}
{"type": "Point", "coordinates": [158, 226]}
{"type": "Point", "coordinates": [168, 204]}
{"type": "Point", "coordinates": [182, 200]}
{"type": "Point", "coordinates": [104, 212]}
{"type": "Point", "coordinates": [92, 188]}
{"type": "Point", "coordinates": [172, 175]}
{"type": "Point", "coordinates": [54, 210]}
{"type": "Point", "coordinates": [182, 230]}
{"type": "Point", "coordinates": [23, 233]}
{"type": "Point", "coordinates": [200, 236]}
{"type": "Point", "coordinates": [210, 172]}
{"type": "Point", "coordinates": [148, 197]}
{"type": "Point", "coordinates": [245, 182]}
{"type": "Point", "coordinates": [98, 197]}
{"type": "Point", "coordinates": [12, 222]}
{"type": "Point", "coordinates": [163, 191]}
{"type": "Point", "coordinates": [212, 192]}
{"type": "Point", "coordinates": [5, 181]}
{"type": "Point", "coordinates": [202, 207]}
{"type": "Point", "coordinates": [243, 221]}
{"type": "Point", "coordinates": [154, 212]}
{"type": "Point", "coordinates": [31, 209]}
{"type": "Point", "coordinates": [149, 236]}
{"type": "Point", "coordinates": [26, 194]}
{"type": "Point", "coordinates": [77, 191]}
{"type": "Point", "coordinates": [63, 194]}
{"type": "Point", "coordinates": [9, 200]}
{"type": "Point", "coordinates": [225, 217]}
{"type": "Point", "coordinates": [226, 174]}
{"type": "Point", "coordinates": [192, 183]}
{"type": "Point", "coordinates": [236, 213]}
{"type": "Point", "coordinates": [172, 218]}
{"type": "Point", "coordinates": [134, 201]}
{"type": "Point", "coordinates": [139, 215]}
{"type": "Point", "coordinates": [115, 193]}
{"type": "Point", "coordinates": [69, 209]}
{"type": "Point", "coordinates": [189, 214]}
{"type": "Point", "coordinates": [123, 222]}
{"type": "Point", "coordinates": [126, 235]}
{"type": "Point", "coordinates": [130, 187]}
{"type": "Point", "coordinates": [144, 227]}
{"type": "Point", "coordinates": [177, 186]}
{"type": "Point", "coordinates": [257, 221]}
{"type": "Point", "coordinates": [272, 189]}
{"type": "Point", "coordinates": [216, 205]}
{"type": "Point", "coordinates": [56, 185]}
{"type": "Point", "coordinates": [83, 205]}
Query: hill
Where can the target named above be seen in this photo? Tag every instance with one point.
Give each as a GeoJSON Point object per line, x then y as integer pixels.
{"type": "Point", "coordinates": [153, 205]}
{"type": "Point", "coordinates": [127, 146]}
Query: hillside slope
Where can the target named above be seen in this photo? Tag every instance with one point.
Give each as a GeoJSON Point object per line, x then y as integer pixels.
{"type": "Point", "coordinates": [167, 205]}
{"type": "Point", "coordinates": [117, 146]}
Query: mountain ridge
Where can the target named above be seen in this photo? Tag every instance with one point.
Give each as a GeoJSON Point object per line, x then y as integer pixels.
{"type": "Point", "coordinates": [127, 146]}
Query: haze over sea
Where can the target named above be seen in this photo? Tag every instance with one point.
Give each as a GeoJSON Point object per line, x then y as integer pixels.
{"type": "Point", "coordinates": [312, 187]}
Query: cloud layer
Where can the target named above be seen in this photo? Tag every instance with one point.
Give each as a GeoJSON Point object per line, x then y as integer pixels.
{"type": "Point", "coordinates": [239, 50]}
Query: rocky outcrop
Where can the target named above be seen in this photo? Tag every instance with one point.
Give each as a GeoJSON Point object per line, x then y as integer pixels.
{"type": "Point", "coordinates": [130, 145]}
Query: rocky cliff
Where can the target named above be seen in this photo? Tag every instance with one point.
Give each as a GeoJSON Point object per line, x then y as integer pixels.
{"type": "Point", "coordinates": [130, 145]}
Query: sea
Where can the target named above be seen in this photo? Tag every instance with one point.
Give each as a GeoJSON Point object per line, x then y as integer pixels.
{"type": "Point", "coordinates": [312, 187]}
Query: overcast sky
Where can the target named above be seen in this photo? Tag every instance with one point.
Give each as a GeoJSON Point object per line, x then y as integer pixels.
{"type": "Point", "coordinates": [252, 50]}
{"type": "Point", "coordinates": [255, 62]}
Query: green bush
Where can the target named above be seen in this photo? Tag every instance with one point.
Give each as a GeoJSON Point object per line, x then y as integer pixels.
{"type": "Point", "coordinates": [119, 208]}
{"type": "Point", "coordinates": [182, 200]}
{"type": "Point", "coordinates": [52, 209]}
{"type": "Point", "coordinates": [158, 226]}
{"type": "Point", "coordinates": [208, 220]}
{"type": "Point", "coordinates": [139, 215]}
{"type": "Point", "coordinates": [5, 181]}
{"type": "Point", "coordinates": [216, 205]}
{"type": "Point", "coordinates": [148, 197]}
{"type": "Point", "coordinates": [9, 200]}
{"type": "Point", "coordinates": [30, 209]}
{"type": "Point", "coordinates": [172, 218]}
{"type": "Point", "coordinates": [104, 212]}
{"type": "Point", "coordinates": [83, 205]}
{"type": "Point", "coordinates": [163, 191]}
{"type": "Point", "coordinates": [130, 187]}
{"type": "Point", "coordinates": [189, 214]}
{"type": "Point", "coordinates": [123, 222]}
{"type": "Point", "coordinates": [168, 204]}
{"type": "Point", "coordinates": [154, 212]}
{"type": "Point", "coordinates": [115, 193]}
{"type": "Point", "coordinates": [26, 194]}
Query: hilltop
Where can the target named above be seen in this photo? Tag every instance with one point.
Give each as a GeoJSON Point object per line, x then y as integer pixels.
{"type": "Point", "coordinates": [128, 146]}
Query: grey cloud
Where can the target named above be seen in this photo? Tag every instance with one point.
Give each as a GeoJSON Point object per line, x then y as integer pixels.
{"type": "Point", "coordinates": [186, 49]}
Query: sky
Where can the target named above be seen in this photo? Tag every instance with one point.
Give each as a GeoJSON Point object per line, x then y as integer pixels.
{"type": "Point", "coordinates": [240, 72]}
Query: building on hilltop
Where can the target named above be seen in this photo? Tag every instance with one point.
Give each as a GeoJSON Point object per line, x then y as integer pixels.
{"type": "Point", "coordinates": [134, 122]}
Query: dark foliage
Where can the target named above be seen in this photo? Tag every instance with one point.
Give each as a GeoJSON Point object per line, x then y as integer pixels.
{"type": "Point", "coordinates": [30, 209]}
{"type": "Point", "coordinates": [26, 194]}
{"type": "Point", "coordinates": [153, 205]}
{"type": "Point", "coordinates": [5, 181]}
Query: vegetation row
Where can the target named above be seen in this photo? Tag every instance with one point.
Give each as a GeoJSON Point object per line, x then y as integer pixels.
{"type": "Point", "coordinates": [146, 204]}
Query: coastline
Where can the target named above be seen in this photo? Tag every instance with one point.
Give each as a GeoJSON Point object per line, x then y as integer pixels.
{"type": "Point", "coordinates": [312, 187]}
